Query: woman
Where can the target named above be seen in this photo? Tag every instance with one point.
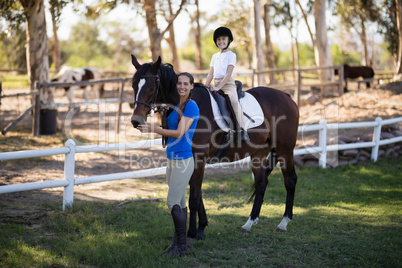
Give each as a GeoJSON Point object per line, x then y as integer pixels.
{"type": "Point", "coordinates": [180, 165]}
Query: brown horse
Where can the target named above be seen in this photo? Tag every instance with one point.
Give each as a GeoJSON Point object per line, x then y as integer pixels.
{"type": "Point", "coordinates": [270, 143]}
{"type": "Point", "coordinates": [354, 72]}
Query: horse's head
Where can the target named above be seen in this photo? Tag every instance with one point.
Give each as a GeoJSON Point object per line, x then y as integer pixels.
{"type": "Point", "coordinates": [146, 83]}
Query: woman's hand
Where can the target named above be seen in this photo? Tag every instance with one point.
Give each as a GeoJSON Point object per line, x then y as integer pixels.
{"type": "Point", "coordinates": [146, 128]}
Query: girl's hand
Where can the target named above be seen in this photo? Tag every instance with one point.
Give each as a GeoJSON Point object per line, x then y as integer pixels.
{"type": "Point", "coordinates": [212, 88]}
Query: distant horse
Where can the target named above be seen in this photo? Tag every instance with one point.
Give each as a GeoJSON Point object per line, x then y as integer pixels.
{"type": "Point", "coordinates": [354, 72]}
{"type": "Point", "coordinates": [71, 75]}
{"type": "Point", "coordinates": [272, 142]}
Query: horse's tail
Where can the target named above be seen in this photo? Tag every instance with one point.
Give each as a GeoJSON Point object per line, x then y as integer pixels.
{"type": "Point", "coordinates": [272, 159]}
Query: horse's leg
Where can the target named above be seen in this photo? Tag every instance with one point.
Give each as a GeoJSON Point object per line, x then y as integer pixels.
{"type": "Point", "coordinates": [70, 96]}
{"type": "Point", "coordinates": [86, 95]}
{"type": "Point", "coordinates": [202, 220]}
{"type": "Point", "coordinates": [95, 90]}
{"type": "Point", "coordinates": [195, 203]}
{"type": "Point", "coordinates": [261, 173]}
{"type": "Point", "coordinates": [290, 180]}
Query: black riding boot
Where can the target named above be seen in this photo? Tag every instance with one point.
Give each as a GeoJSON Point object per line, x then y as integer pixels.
{"type": "Point", "coordinates": [179, 219]}
{"type": "Point", "coordinates": [174, 242]}
{"type": "Point", "coordinates": [244, 135]}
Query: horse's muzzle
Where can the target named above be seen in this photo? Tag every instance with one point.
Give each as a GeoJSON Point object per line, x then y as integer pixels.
{"type": "Point", "coordinates": [137, 120]}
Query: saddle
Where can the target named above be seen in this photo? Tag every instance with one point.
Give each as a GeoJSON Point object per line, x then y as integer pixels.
{"type": "Point", "coordinates": [225, 105]}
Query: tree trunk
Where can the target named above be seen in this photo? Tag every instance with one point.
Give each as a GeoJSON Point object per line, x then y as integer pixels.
{"type": "Point", "coordinates": [307, 24]}
{"type": "Point", "coordinates": [198, 55]}
{"type": "Point", "coordinates": [258, 42]}
{"type": "Point", "coordinates": [270, 50]}
{"type": "Point", "coordinates": [56, 54]}
{"type": "Point", "coordinates": [37, 50]}
{"type": "Point", "coordinates": [363, 37]}
{"type": "Point", "coordinates": [321, 50]}
{"type": "Point", "coordinates": [172, 41]}
{"type": "Point", "coordinates": [154, 34]}
{"type": "Point", "coordinates": [398, 69]}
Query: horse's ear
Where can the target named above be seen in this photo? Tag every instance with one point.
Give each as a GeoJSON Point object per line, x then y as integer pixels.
{"type": "Point", "coordinates": [135, 62]}
{"type": "Point", "coordinates": [157, 64]}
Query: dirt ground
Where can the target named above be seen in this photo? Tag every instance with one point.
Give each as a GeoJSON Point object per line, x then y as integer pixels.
{"type": "Point", "coordinates": [95, 124]}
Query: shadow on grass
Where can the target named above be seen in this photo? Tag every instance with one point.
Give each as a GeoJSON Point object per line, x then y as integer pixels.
{"type": "Point", "coordinates": [346, 217]}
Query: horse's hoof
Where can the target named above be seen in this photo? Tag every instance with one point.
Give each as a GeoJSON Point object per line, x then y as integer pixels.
{"type": "Point", "coordinates": [244, 231]}
{"type": "Point", "coordinates": [279, 230]}
{"type": "Point", "coordinates": [189, 242]}
{"type": "Point", "coordinates": [200, 235]}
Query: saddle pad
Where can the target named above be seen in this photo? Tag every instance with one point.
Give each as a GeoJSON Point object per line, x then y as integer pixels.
{"type": "Point", "coordinates": [249, 105]}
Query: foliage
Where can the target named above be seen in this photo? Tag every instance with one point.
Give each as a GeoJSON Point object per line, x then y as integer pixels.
{"type": "Point", "coordinates": [12, 48]}
{"type": "Point", "coordinates": [388, 25]}
{"type": "Point", "coordinates": [12, 12]}
{"type": "Point", "coordinates": [57, 6]}
{"type": "Point", "coordinates": [86, 48]}
{"type": "Point", "coordinates": [340, 57]}
{"type": "Point", "coordinates": [306, 55]}
{"type": "Point", "coordinates": [345, 217]}
{"type": "Point", "coordinates": [208, 49]}
{"type": "Point", "coordinates": [236, 17]}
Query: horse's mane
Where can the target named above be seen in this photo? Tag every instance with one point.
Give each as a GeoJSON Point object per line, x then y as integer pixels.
{"type": "Point", "coordinates": [168, 77]}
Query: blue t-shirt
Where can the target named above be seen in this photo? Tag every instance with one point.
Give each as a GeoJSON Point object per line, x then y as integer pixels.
{"type": "Point", "coordinates": [179, 149]}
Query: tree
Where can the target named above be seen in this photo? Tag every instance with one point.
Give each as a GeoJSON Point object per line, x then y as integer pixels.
{"type": "Point", "coordinates": [237, 17]}
{"type": "Point", "coordinates": [195, 19]}
{"type": "Point", "coordinates": [268, 43]}
{"type": "Point", "coordinates": [12, 48]}
{"type": "Point", "coordinates": [84, 48]}
{"type": "Point", "coordinates": [171, 39]}
{"type": "Point", "coordinates": [120, 42]}
{"type": "Point", "coordinates": [398, 69]}
{"type": "Point", "coordinates": [33, 12]}
{"type": "Point", "coordinates": [322, 49]}
{"type": "Point", "coordinates": [37, 50]}
{"type": "Point", "coordinates": [56, 7]}
{"type": "Point", "coordinates": [388, 27]}
{"type": "Point", "coordinates": [356, 14]}
{"type": "Point", "coordinates": [284, 17]}
{"type": "Point", "coordinates": [154, 33]}
{"type": "Point", "coordinates": [258, 42]}
{"type": "Point", "coordinates": [152, 9]}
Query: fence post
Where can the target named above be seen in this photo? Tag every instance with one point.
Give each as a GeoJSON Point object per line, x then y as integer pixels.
{"type": "Point", "coordinates": [376, 139]}
{"type": "Point", "coordinates": [341, 70]}
{"type": "Point", "coordinates": [298, 90]}
{"type": "Point", "coordinates": [69, 170]}
{"type": "Point", "coordinates": [121, 97]}
{"type": "Point", "coordinates": [253, 78]}
{"type": "Point", "coordinates": [36, 115]}
{"type": "Point", "coordinates": [322, 139]}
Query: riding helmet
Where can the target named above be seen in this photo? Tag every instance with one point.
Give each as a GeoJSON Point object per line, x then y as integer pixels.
{"type": "Point", "coordinates": [223, 31]}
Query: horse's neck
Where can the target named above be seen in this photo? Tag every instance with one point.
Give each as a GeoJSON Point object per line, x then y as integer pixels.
{"type": "Point", "coordinates": [171, 97]}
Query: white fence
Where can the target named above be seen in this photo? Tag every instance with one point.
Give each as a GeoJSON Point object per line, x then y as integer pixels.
{"type": "Point", "coordinates": [71, 149]}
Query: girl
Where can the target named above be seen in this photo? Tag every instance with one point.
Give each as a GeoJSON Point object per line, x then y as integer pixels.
{"type": "Point", "coordinates": [180, 165]}
{"type": "Point", "coordinates": [222, 65]}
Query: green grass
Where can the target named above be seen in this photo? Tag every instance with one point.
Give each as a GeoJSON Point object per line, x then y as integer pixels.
{"type": "Point", "coordinates": [19, 81]}
{"type": "Point", "coordinates": [346, 217]}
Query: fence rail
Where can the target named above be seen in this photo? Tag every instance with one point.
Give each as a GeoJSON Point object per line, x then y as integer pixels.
{"type": "Point", "coordinates": [71, 149]}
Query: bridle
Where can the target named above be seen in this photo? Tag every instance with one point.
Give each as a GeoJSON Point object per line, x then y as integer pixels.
{"type": "Point", "coordinates": [152, 105]}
